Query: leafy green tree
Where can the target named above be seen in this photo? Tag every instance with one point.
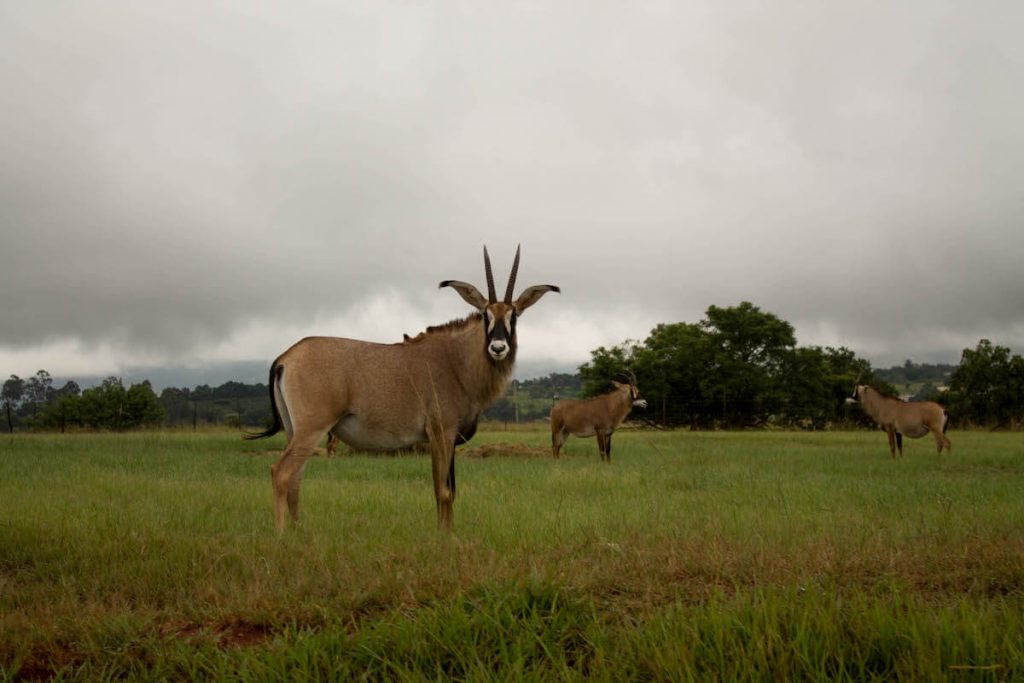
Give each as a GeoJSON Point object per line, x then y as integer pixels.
{"type": "Point", "coordinates": [669, 367]}
{"type": "Point", "coordinates": [605, 364]}
{"type": "Point", "coordinates": [802, 390]}
{"type": "Point", "coordinates": [739, 366]}
{"type": "Point", "coordinates": [988, 385]}
{"type": "Point", "coordinates": [749, 348]}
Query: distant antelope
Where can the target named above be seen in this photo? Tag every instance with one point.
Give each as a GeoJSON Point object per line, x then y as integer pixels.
{"type": "Point", "coordinates": [600, 415]}
{"type": "Point", "coordinates": [392, 396]}
{"type": "Point", "coordinates": [899, 418]}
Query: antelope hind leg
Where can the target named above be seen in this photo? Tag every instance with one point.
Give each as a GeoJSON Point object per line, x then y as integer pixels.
{"type": "Point", "coordinates": [286, 476]}
{"type": "Point", "coordinates": [558, 438]}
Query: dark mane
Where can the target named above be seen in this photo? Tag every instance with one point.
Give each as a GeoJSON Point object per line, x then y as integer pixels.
{"type": "Point", "coordinates": [885, 394]}
{"type": "Point", "coordinates": [450, 326]}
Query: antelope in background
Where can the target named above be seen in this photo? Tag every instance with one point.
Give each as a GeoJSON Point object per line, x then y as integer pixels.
{"type": "Point", "coordinates": [392, 396]}
{"type": "Point", "coordinates": [600, 415]}
{"type": "Point", "coordinates": [899, 418]}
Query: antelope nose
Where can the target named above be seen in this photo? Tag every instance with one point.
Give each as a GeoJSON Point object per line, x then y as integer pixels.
{"type": "Point", "coordinates": [498, 348]}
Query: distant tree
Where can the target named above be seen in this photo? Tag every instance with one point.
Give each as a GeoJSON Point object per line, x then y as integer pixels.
{"type": "Point", "coordinates": [113, 406]}
{"type": "Point", "coordinates": [13, 392]}
{"type": "Point", "coordinates": [501, 410]}
{"type": "Point", "coordinates": [142, 409]}
{"type": "Point", "coordinates": [70, 388]}
{"type": "Point", "coordinates": [38, 391]}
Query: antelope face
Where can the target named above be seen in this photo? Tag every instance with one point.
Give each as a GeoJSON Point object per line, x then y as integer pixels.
{"type": "Point", "coordinates": [638, 400]}
{"type": "Point", "coordinates": [858, 389]}
{"type": "Point", "coordinates": [499, 330]}
{"type": "Point", "coordinates": [499, 317]}
{"type": "Point", "coordinates": [635, 398]}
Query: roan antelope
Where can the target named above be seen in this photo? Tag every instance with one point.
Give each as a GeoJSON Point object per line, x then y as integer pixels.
{"type": "Point", "coordinates": [599, 415]}
{"type": "Point", "coordinates": [901, 418]}
{"type": "Point", "coordinates": [392, 396]}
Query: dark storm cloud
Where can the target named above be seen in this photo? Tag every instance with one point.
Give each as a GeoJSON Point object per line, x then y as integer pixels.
{"type": "Point", "coordinates": [174, 174]}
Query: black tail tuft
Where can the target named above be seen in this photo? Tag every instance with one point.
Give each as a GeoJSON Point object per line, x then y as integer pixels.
{"type": "Point", "coordinates": [945, 422]}
{"type": "Point", "coordinates": [275, 376]}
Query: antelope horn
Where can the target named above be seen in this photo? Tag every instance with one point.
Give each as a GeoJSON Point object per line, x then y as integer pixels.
{"type": "Point", "coordinates": [856, 382]}
{"type": "Point", "coordinates": [491, 296]}
{"type": "Point", "coordinates": [512, 277]}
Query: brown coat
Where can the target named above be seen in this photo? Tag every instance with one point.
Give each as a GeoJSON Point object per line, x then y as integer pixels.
{"type": "Point", "coordinates": [901, 418]}
{"type": "Point", "coordinates": [429, 389]}
{"type": "Point", "coordinates": [598, 416]}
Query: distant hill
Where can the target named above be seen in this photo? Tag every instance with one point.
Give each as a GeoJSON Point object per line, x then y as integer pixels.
{"type": "Point", "coordinates": [180, 376]}
{"type": "Point", "coordinates": [917, 381]}
{"type": "Point", "coordinates": [253, 372]}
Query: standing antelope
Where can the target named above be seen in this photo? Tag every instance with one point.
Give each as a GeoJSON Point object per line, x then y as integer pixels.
{"type": "Point", "coordinates": [392, 396]}
{"type": "Point", "coordinates": [899, 418]}
{"type": "Point", "coordinates": [600, 415]}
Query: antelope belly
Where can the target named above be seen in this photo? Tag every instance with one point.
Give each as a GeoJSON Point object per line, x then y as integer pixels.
{"type": "Point", "coordinates": [915, 431]}
{"type": "Point", "coordinates": [365, 437]}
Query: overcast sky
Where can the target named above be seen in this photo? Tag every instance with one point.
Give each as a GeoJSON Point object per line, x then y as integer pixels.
{"type": "Point", "coordinates": [196, 182]}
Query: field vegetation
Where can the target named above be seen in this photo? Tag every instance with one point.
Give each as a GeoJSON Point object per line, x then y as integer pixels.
{"type": "Point", "coordinates": [692, 555]}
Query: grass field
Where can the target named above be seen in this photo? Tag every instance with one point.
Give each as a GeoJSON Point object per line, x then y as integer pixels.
{"type": "Point", "coordinates": [743, 555]}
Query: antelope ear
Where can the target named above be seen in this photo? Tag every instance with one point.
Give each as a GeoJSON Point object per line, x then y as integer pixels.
{"type": "Point", "coordinates": [532, 295]}
{"type": "Point", "coordinates": [468, 292]}
{"type": "Point", "coordinates": [617, 385]}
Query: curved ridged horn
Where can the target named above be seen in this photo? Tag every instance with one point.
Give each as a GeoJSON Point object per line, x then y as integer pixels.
{"type": "Point", "coordinates": [512, 277]}
{"type": "Point", "coordinates": [492, 297]}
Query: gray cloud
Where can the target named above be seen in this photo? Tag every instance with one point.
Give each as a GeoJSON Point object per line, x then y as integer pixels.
{"type": "Point", "coordinates": [175, 175]}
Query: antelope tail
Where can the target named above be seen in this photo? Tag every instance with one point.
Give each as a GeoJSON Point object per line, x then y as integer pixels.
{"type": "Point", "coordinates": [945, 420]}
{"type": "Point", "coordinates": [275, 376]}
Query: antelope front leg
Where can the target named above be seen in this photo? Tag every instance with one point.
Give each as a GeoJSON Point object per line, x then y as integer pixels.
{"type": "Point", "coordinates": [442, 456]}
{"type": "Point", "coordinates": [892, 442]}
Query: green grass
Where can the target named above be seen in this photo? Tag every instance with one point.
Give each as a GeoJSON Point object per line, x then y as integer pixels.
{"type": "Point", "coordinates": [735, 555]}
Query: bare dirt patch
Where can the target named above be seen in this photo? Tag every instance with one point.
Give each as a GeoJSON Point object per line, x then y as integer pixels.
{"type": "Point", "coordinates": [505, 450]}
{"type": "Point", "coordinates": [226, 635]}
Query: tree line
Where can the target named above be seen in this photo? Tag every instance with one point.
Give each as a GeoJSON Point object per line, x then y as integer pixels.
{"type": "Point", "coordinates": [741, 367]}
{"type": "Point", "coordinates": [35, 404]}
{"type": "Point", "coordinates": [738, 367]}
